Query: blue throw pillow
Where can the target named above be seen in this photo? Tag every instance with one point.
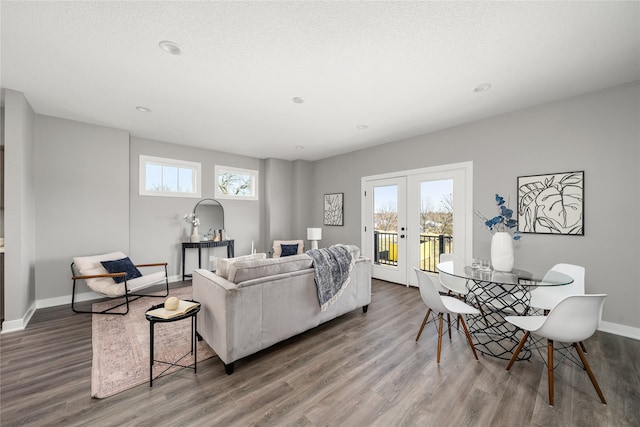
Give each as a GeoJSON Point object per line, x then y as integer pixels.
{"type": "Point", "coordinates": [288, 250]}
{"type": "Point", "coordinates": [123, 265]}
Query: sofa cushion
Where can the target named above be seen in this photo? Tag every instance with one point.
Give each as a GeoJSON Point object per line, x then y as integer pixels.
{"type": "Point", "coordinates": [252, 269]}
{"type": "Point", "coordinates": [223, 264]}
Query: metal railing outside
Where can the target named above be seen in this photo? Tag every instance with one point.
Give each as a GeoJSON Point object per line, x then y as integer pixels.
{"type": "Point", "coordinates": [385, 249]}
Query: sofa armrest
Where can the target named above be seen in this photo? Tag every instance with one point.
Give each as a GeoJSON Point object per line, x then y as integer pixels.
{"type": "Point", "coordinates": [230, 319]}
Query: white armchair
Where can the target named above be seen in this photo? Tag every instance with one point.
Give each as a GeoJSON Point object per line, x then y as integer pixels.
{"type": "Point", "coordinates": [114, 275]}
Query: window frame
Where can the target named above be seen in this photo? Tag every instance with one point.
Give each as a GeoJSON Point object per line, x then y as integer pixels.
{"type": "Point", "coordinates": [254, 174]}
{"type": "Point", "coordinates": [196, 167]}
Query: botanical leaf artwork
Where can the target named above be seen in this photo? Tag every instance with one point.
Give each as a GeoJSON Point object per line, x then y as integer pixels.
{"type": "Point", "coordinates": [333, 209]}
{"type": "Point", "coordinates": [551, 204]}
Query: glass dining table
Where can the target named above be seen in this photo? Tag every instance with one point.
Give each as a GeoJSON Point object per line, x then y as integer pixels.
{"type": "Point", "coordinates": [498, 294]}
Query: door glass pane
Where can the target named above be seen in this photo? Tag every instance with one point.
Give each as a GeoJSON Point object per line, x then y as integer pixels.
{"type": "Point", "coordinates": [385, 225]}
{"type": "Point", "coordinates": [436, 222]}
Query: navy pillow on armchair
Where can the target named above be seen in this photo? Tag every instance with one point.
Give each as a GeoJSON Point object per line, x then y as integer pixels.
{"type": "Point", "coordinates": [123, 265]}
{"type": "Point", "coordinates": [288, 250]}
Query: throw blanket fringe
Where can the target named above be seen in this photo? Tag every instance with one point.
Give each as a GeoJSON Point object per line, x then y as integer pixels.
{"type": "Point", "coordinates": [333, 267]}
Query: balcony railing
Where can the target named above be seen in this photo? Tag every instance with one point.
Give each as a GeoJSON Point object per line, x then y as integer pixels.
{"type": "Point", "coordinates": [385, 249]}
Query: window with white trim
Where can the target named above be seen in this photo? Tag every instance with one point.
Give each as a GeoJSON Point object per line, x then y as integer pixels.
{"type": "Point", "coordinates": [234, 183]}
{"type": "Point", "coordinates": [160, 176]}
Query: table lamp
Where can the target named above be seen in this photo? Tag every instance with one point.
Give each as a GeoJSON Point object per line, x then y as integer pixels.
{"type": "Point", "coordinates": [313, 235]}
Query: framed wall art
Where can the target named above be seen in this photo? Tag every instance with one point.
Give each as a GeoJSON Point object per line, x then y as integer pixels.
{"type": "Point", "coordinates": [333, 209]}
{"type": "Point", "coordinates": [551, 203]}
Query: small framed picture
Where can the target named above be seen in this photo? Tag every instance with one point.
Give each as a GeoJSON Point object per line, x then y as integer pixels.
{"type": "Point", "coordinates": [333, 209]}
{"type": "Point", "coordinates": [551, 203]}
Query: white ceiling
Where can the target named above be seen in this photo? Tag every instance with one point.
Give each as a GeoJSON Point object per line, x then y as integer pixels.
{"type": "Point", "coordinates": [400, 68]}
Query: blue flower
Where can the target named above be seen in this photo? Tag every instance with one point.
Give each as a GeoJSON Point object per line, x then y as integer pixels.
{"type": "Point", "coordinates": [504, 222]}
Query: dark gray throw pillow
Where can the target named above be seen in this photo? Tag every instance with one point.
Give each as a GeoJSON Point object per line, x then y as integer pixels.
{"type": "Point", "coordinates": [123, 265]}
{"type": "Point", "coordinates": [288, 250]}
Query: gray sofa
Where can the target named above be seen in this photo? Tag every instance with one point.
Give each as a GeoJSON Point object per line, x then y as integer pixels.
{"type": "Point", "coordinates": [264, 301]}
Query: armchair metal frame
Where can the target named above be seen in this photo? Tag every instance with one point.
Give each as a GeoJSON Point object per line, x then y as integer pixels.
{"type": "Point", "coordinates": [127, 295]}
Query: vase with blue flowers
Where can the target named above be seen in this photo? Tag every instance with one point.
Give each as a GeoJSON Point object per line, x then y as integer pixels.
{"type": "Point", "coordinates": [505, 232]}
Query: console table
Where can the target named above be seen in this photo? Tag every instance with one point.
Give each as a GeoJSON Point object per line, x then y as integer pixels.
{"type": "Point", "coordinates": [205, 244]}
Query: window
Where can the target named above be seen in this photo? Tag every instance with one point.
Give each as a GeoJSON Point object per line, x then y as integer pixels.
{"type": "Point", "coordinates": [234, 183]}
{"type": "Point", "coordinates": [169, 177]}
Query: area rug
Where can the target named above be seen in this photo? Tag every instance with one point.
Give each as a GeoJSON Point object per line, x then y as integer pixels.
{"type": "Point", "coordinates": [121, 346]}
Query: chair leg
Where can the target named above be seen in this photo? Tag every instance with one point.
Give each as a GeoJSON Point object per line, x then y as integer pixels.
{"type": "Point", "coordinates": [424, 322]}
{"type": "Point", "coordinates": [449, 324]}
{"type": "Point", "coordinates": [584, 349]}
{"type": "Point", "coordinates": [518, 349]}
{"type": "Point", "coordinates": [591, 376]}
{"type": "Point", "coordinates": [440, 319]}
{"type": "Point", "coordinates": [550, 369]}
{"type": "Point", "coordinates": [466, 331]}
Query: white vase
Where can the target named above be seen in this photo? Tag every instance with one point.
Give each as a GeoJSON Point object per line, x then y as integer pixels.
{"type": "Point", "coordinates": [502, 251]}
{"type": "Point", "coordinates": [195, 236]}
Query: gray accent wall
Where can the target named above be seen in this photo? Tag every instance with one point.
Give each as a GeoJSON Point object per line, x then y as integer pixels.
{"type": "Point", "coordinates": [82, 198]}
{"type": "Point", "coordinates": [597, 132]}
{"type": "Point", "coordinates": [157, 223]}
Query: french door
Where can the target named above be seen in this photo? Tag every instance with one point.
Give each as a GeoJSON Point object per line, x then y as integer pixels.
{"type": "Point", "coordinates": [410, 217]}
{"type": "Point", "coordinates": [387, 230]}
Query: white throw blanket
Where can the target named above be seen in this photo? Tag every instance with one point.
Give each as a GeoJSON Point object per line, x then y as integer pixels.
{"type": "Point", "coordinates": [333, 267]}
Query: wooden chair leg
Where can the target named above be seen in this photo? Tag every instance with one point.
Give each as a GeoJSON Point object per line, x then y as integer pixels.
{"type": "Point", "coordinates": [440, 319]}
{"type": "Point", "coordinates": [466, 331]}
{"type": "Point", "coordinates": [584, 349]}
{"type": "Point", "coordinates": [550, 369]}
{"type": "Point", "coordinates": [590, 372]}
{"type": "Point", "coordinates": [449, 324]}
{"type": "Point", "coordinates": [424, 322]}
{"type": "Point", "coordinates": [518, 349]}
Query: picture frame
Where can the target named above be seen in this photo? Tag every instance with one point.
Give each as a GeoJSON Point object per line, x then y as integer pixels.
{"type": "Point", "coordinates": [333, 209]}
{"type": "Point", "coordinates": [551, 203]}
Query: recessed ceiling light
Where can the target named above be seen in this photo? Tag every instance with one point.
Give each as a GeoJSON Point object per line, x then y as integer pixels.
{"type": "Point", "coordinates": [299, 147]}
{"type": "Point", "coordinates": [170, 47]}
{"type": "Point", "coordinates": [482, 87]}
{"type": "Point", "coordinates": [297, 100]}
{"type": "Point", "coordinates": [362, 127]}
{"type": "Point", "coordinates": [143, 109]}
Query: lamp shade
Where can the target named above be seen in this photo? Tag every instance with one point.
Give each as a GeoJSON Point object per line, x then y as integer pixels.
{"type": "Point", "coordinates": [314, 233]}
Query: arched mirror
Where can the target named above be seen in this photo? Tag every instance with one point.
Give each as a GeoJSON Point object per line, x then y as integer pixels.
{"type": "Point", "coordinates": [211, 216]}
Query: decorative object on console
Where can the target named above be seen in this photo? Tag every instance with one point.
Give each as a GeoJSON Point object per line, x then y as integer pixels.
{"type": "Point", "coordinates": [333, 209]}
{"type": "Point", "coordinates": [195, 222]}
{"type": "Point", "coordinates": [551, 204]}
{"type": "Point", "coordinates": [313, 235]}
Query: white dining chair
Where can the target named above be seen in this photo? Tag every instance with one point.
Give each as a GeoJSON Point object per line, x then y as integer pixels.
{"type": "Point", "coordinates": [452, 284]}
{"type": "Point", "coordinates": [572, 320]}
{"type": "Point", "coordinates": [442, 305]}
{"type": "Point", "coordinates": [546, 297]}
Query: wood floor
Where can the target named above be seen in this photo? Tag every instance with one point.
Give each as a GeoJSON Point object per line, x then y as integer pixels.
{"type": "Point", "coordinates": [358, 370]}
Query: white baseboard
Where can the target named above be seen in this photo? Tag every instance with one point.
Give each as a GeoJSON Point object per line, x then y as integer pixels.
{"type": "Point", "coordinates": [19, 324]}
{"type": "Point", "coordinates": [622, 330]}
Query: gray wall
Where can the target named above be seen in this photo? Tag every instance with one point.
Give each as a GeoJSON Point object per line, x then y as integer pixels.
{"type": "Point", "coordinates": [20, 207]}
{"type": "Point", "coordinates": [598, 133]}
{"type": "Point", "coordinates": [157, 223]}
{"type": "Point", "coordinates": [82, 198]}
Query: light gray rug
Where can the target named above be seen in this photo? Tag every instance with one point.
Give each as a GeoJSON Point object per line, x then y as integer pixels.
{"type": "Point", "coordinates": [121, 346]}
